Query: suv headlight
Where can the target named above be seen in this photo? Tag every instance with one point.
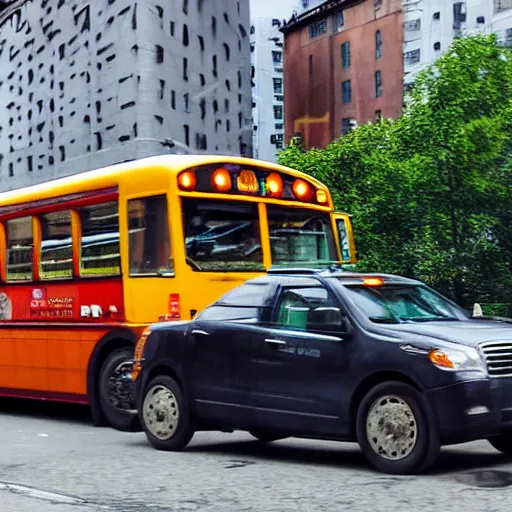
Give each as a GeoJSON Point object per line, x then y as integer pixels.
{"type": "Point", "coordinates": [456, 360]}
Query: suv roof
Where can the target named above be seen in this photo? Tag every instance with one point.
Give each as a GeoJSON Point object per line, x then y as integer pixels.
{"type": "Point", "coordinates": [276, 274]}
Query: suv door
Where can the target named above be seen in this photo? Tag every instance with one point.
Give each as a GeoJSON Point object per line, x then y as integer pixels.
{"type": "Point", "coordinates": [299, 371]}
{"type": "Point", "coordinates": [219, 360]}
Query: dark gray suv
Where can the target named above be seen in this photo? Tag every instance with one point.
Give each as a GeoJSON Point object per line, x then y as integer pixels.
{"type": "Point", "coordinates": [380, 360]}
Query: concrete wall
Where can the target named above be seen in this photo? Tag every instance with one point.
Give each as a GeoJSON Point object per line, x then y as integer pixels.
{"type": "Point", "coordinates": [84, 84]}
{"type": "Point", "coordinates": [263, 35]}
{"type": "Point", "coordinates": [430, 27]}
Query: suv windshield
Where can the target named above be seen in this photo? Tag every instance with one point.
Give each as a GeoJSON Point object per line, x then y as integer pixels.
{"type": "Point", "coordinates": [399, 304]}
{"type": "Point", "coordinates": [300, 236]}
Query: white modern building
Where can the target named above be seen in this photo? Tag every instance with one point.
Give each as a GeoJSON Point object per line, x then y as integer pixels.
{"type": "Point", "coordinates": [430, 27]}
{"type": "Point", "coordinates": [268, 92]}
{"type": "Point", "coordinates": [89, 84]}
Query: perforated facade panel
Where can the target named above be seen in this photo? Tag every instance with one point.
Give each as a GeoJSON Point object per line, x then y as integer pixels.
{"type": "Point", "coordinates": [84, 84]}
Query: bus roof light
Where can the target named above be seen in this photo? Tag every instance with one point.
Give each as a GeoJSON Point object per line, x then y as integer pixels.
{"type": "Point", "coordinates": [187, 181]}
{"type": "Point", "coordinates": [221, 180]}
{"type": "Point", "coordinates": [321, 196]}
{"type": "Point", "coordinates": [275, 184]}
{"type": "Point", "coordinates": [302, 190]}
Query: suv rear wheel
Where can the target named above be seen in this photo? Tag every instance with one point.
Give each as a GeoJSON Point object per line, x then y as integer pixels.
{"type": "Point", "coordinates": [502, 443]}
{"type": "Point", "coordinates": [165, 414]}
{"type": "Point", "coordinates": [395, 431]}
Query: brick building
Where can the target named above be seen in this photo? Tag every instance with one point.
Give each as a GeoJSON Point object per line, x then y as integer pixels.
{"type": "Point", "coordinates": [343, 64]}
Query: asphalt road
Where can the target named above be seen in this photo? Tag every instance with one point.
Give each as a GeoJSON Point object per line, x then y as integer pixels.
{"type": "Point", "coordinates": [53, 460]}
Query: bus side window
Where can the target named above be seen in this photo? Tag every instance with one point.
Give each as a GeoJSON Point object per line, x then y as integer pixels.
{"type": "Point", "coordinates": [20, 249]}
{"type": "Point", "coordinates": [100, 253]}
{"type": "Point", "coordinates": [56, 246]}
{"type": "Point", "coordinates": [149, 236]}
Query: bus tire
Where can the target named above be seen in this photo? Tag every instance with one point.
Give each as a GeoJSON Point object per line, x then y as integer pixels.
{"type": "Point", "coordinates": [112, 379]}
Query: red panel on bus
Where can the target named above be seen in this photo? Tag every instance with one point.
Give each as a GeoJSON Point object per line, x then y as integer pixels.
{"type": "Point", "coordinates": [98, 300]}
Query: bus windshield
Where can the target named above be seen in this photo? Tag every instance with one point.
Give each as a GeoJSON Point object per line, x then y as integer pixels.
{"type": "Point", "coordinates": [300, 237]}
{"type": "Point", "coordinates": [223, 236]}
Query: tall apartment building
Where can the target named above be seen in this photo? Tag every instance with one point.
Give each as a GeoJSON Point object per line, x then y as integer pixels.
{"type": "Point", "coordinates": [268, 88]}
{"type": "Point", "coordinates": [85, 84]}
{"type": "Point", "coordinates": [430, 27]}
{"type": "Point", "coordinates": [343, 65]}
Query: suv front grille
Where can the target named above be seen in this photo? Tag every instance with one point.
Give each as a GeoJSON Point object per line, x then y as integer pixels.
{"type": "Point", "coordinates": [498, 358]}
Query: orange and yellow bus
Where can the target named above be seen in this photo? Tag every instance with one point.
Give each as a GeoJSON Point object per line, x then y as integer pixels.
{"type": "Point", "coordinates": [88, 261]}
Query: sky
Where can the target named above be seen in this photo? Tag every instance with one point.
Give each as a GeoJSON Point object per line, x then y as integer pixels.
{"type": "Point", "coordinates": [273, 8]}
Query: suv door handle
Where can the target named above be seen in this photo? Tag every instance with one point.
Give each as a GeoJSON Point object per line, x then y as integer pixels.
{"type": "Point", "coordinates": [199, 332]}
{"type": "Point", "coordinates": [275, 342]}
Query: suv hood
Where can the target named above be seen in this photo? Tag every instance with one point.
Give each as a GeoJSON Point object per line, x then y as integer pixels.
{"type": "Point", "coordinates": [470, 332]}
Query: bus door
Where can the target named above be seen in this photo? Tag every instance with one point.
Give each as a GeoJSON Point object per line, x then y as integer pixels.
{"type": "Point", "coordinates": [345, 235]}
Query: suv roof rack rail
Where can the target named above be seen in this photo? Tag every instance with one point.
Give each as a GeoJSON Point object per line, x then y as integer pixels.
{"type": "Point", "coordinates": [295, 271]}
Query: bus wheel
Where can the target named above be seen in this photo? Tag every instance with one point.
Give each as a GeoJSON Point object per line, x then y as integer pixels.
{"type": "Point", "coordinates": [115, 391]}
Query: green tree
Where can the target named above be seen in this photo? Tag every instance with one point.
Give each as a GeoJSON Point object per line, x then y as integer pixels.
{"type": "Point", "coordinates": [430, 192]}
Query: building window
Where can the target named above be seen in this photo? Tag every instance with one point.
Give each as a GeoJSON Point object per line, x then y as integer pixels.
{"type": "Point", "coordinates": [412, 25]}
{"type": "Point", "coordinates": [502, 5]}
{"type": "Point", "coordinates": [149, 240]}
{"type": "Point", "coordinates": [20, 249]}
{"type": "Point", "coordinates": [317, 28]}
{"type": "Point", "coordinates": [345, 54]}
{"type": "Point", "coordinates": [412, 57]}
{"type": "Point", "coordinates": [227, 51]}
{"type": "Point", "coordinates": [173, 100]}
{"type": "Point", "coordinates": [185, 69]}
{"type": "Point", "coordinates": [279, 126]}
{"type": "Point", "coordinates": [278, 112]}
{"type": "Point", "coordinates": [214, 26]}
{"type": "Point", "coordinates": [346, 91]}
{"type": "Point", "coordinates": [346, 125]}
{"type": "Point", "coordinates": [185, 35]}
{"type": "Point", "coordinates": [185, 6]}
{"type": "Point", "coordinates": [508, 37]}
{"type": "Point", "coordinates": [186, 130]}
{"type": "Point", "coordinates": [226, 105]}
{"type": "Point", "coordinates": [459, 15]}
{"type": "Point", "coordinates": [378, 44]}
{"type": "Point", "coordinates": [480, 20]}
{"type": "Point", "coordinates": [278, 97]}
{"type": "Point", "coordinates": [277, 57]}
{"type": "Point", "coordinates": [378, 4]}
{"type": "Point", "coordinates": [56, 246]}
{"type": "Point", "coordinates": [310, 66]}
{"type": "Point", "coordinates": [171, 28]}
{"type": "Point", "coordinates": [202, 80]}
{"type": "Point", "coordinates": [228, 125]}
{"type": "Point", "coordinates": [278, 85]}
{"type": "Point", "coordinates": [437, 15]}
{"type": "Point", "coordinates": [339, 21]}
{"type": "Point", "coordinates": [201, 43]}
{"type": "Point", "coordinates": [214, 63]}
{"type": "Point", "coordinates": [437, 46]}
{"type": "Point", "coordinates": [378, 115]}
{"type": "Point", "coordinates": [186, 102]}
{"type": "Point", "coordinates": [378, 84]}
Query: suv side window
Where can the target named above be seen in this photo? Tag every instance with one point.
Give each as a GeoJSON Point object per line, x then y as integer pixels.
{"type": "Point", "coordinates": [296, 303]}
{"type": "Point", "coordinates": [230, 314]}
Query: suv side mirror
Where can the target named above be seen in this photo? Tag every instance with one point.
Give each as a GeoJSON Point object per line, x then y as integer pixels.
{"type": "Point", "coordinates": [328, 319]}
{"type": "Point", "coordinates": [477, 310]}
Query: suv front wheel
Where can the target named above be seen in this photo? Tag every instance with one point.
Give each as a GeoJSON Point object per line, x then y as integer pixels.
{"type": "Point", "coordinates": [165, 415]}
{"type": "Point", "coordinates": [394, 429]}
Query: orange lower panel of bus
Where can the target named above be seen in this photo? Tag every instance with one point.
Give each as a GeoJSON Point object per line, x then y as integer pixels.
{"type": "Point", "coordinates": [46, 362]}
{"type": "Point", "coordinates": [48, 332]}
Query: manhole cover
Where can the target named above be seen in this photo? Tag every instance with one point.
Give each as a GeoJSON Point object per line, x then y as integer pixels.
{"type": "Point", "coordinates": [486, 478]}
